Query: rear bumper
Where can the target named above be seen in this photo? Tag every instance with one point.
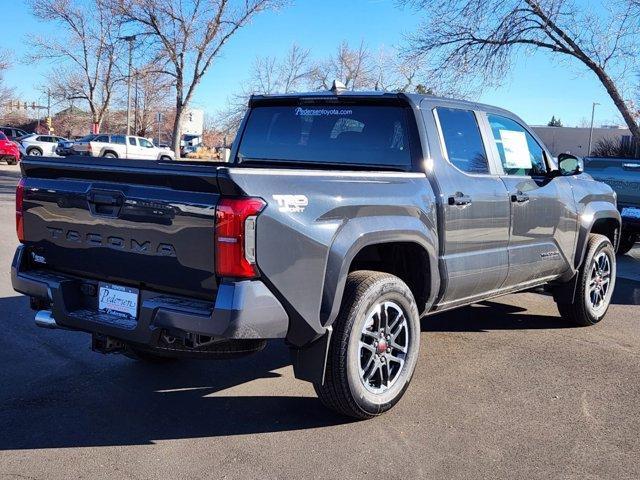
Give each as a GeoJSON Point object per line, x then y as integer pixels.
{"type": "Point", "coordinates": [241, 310]}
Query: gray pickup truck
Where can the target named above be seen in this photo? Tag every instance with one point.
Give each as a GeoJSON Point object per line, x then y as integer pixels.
{"type": "Point", "coordinates": [341, 220]}
{"type": "Point", "coordinates": [623, 175]}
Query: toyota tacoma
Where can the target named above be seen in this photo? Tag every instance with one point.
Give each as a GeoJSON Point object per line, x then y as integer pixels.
{"type": "Point", "coordinates": [341, 220]}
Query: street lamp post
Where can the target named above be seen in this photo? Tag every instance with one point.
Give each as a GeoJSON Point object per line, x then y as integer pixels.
{"type": "Point", "coordinates": [130, 39]}
{"type": "Point", "coordinates": [593, 112]}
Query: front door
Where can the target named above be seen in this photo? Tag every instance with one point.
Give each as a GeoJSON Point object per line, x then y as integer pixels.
{"type": "Point", "coordinates": [542, 223]}
{"type": "Point", "coordinates": [473, 206]}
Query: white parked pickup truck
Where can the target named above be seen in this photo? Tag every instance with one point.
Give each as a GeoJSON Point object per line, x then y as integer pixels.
{"type": "Point", "coordinates": [122, 146]}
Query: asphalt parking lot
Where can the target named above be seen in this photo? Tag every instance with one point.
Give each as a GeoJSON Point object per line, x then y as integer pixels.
{"type": "Point", "coordinates": [504, 389]}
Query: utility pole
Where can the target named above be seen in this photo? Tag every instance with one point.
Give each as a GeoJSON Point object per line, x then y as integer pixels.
{"type": "Point", "coordinates": [130, 39]}
{"type": "Point", "coordinates": [49, 109]}
{"type": "Point", "coordinates": [593, 113]}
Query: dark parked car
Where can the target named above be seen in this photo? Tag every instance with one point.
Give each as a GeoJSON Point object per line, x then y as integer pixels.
{"type": "Point", "coordinates": [340, 220]}
{"type": "Point", "coordinates": [13, 133]}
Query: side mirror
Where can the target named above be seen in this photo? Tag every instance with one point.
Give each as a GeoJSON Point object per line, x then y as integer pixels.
{"type": "Point", "coordinates": [570, 164]}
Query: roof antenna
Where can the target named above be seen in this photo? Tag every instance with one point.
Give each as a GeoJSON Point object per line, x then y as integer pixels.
{"type": "Point", "coordinates": [338, 87]}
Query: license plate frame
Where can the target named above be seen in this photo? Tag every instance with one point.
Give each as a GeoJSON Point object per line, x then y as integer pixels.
{"type": "Point", "coordinates": [631, 212]}
{"type": "Point", "coordinates": [118, 300]}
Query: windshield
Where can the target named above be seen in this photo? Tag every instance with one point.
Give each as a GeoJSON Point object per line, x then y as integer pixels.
{"type": "Point", "coordinates": [332, 134]}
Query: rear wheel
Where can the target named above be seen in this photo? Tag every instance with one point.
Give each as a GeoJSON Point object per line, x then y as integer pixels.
{"type": "Point", "coordinates": [34, 152]}
{"type": "Point", "coordinates": [596, 281]}
{"type": "Point", "coordinates": [109, 155]}
{"type": "Point", "coordinates": [165, 158]}
{"type": "Point", "coordinates": [374, 346]}
{"type": "Point", "coordinates": [11, 162]}
{"type": "Point", "coordinates": [627, 242]}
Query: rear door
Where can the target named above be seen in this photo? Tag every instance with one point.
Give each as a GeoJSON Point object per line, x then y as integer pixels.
{"type": "Point", "coordinates": [473, 205]}
{"type": "Point", "coordinates": [543, 220]}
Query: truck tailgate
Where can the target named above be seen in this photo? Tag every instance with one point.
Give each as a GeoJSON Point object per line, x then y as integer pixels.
{"type": "Point", "coordinates": [137, 223]}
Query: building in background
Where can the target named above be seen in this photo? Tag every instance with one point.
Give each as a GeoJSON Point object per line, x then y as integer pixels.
{"type": "Point", "coordinates": [192, 129]}
{"type": "Point", "coordinates": [576, 140]}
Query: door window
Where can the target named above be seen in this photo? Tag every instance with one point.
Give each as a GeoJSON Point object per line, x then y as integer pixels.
{"type": "Point", "coordinates": [132, 142]}
{"type": "Point", "coordinates": [462, 140]}
{"type": "Point", "coordinates": [519, 152]}
{"type": "Point", "coordinates": [145, 143]}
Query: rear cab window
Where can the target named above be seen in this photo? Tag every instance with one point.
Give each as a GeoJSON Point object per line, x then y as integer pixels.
{"type": "Point", "coordinates": [372, 135]}
{"type": "Point", "coordinates": [462, 140]}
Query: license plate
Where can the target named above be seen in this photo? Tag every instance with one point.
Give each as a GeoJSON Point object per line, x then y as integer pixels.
{"type": "Point", "coordinates": [117, 300]}
{"type": "Point", "coordinates": [631, 212]}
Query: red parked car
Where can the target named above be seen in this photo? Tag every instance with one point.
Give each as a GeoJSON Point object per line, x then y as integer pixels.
{"type": "Point", "coordinates": [9, 151]}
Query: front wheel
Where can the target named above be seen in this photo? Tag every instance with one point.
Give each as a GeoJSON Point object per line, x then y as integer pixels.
{"type": "Point", "coordinates": [596, 281]}
{"type": "Point", "coordinates": [374, 346]}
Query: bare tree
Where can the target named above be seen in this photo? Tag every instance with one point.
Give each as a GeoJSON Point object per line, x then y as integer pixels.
{"type": "Point", "coordinates": [88, 47]}
{"type": "Point", "coordinates": [352, 66]}
{"type": "Point", "coordinates": [480, 38]}
{"type": "Point", "coordinates": [152, 94]}
{"type": "Point", "coordinates": [189, 36]}
{"type": "Point", "coordinates": [6, 93]}
{"type": "Point", "coordinates": [291, 73]}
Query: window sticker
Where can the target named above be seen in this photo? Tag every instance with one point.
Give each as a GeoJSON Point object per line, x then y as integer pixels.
{"type": "Point", "coordinates": [516, 149]}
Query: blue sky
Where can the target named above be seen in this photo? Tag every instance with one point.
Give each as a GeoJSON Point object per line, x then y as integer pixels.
{"type": "Point", "coordinates": [537, 88]}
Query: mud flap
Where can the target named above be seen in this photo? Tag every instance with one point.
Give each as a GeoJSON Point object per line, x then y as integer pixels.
{"type": "Point", "coordinates": [566, 292]}
{"type": "Point", "coordinates": [310, 362]}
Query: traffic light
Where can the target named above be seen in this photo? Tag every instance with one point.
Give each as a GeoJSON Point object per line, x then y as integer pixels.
{"type": "Point", "coordinates": [49, 125]}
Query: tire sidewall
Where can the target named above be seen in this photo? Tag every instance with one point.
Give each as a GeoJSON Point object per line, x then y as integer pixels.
{"type": "Point", "coordinates": [400, 294]}
{"type": "Point", "coordinates": [594, 316]}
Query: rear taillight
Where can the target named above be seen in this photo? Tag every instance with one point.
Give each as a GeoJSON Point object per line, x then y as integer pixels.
{"type": "Point", "coordinates": [20, 210]}
{"type": "Point", "coordinates": [236, 237]}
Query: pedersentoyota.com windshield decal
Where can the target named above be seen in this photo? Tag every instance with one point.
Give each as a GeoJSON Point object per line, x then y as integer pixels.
{"type": "Point", "coordinates": [319, 112]}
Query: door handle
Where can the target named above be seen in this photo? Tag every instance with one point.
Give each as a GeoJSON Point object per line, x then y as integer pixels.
{"type": "Point", "coordinates": [519, 197]}
{"type": "Point", "coordinates": [459, 199]}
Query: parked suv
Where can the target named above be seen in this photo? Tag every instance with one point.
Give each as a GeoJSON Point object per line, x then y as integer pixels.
{"type": "Point", "coordinates": [341, 220]}
{"type": "Point", "coordinates": [36, 145]}
{"type": "Point", "coordinates": [122, 146]}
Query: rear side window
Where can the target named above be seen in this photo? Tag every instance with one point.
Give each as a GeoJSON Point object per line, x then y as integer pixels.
{"type": "Point", "coordinates": [462, 140]}
{"type": "Point", "coordinates": [132, 141]}
{"type": "Point", "coordinates": [340, 134]}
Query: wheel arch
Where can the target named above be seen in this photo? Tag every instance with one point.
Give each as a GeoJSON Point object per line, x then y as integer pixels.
{"type": "Point", "coordinates": [359, 247]}
{"type": "Point", "coordinates": [598, 217]}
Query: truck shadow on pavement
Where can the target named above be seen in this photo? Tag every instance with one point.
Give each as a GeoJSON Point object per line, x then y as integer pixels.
{"type": "Point", "coordinates": [491, 315]}
{"type": "Point", "coordinates": [55, 393]}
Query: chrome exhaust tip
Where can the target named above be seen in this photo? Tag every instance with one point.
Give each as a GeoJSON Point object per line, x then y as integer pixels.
{"type": "Point", "coordinates": [44, 319]}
